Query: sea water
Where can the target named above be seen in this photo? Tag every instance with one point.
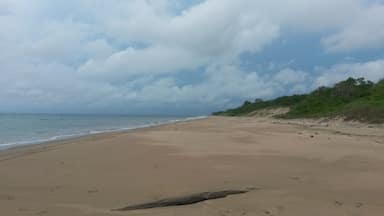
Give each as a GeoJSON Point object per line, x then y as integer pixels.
{"type": "Point", "coordinates": [25, 129]}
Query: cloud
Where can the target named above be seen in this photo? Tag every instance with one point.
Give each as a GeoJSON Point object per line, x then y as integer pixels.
{"type": "Point", "coordinates": [366, 31]}
{"type": "Point", "coordinates": [4, 8]}
{"type": "Point", "coordinates": [128, 56]}
{"type": "Point", "coordinates": [211, 32]}
{"type": "Point", "coordinates": [290, 76]}
{"type": "Point", "coordinates": [147, 61]}
{"type": "Point", "coordinates": [371, 70]}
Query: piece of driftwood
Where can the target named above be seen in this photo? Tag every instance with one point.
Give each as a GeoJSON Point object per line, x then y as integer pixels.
{"type": "Point", "coordinates": [184, 200]}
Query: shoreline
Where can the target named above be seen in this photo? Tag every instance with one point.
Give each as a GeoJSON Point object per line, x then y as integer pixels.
{"type": "Point", "coordinates": [286, 169]}
{"type": "Point", "coordinates": [69, 137]}
{"type": "Point", "coordinates": [339, 127]}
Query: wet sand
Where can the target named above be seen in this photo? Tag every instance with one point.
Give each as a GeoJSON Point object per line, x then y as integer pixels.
{"type": "Point", "coordinates": [293, 169]}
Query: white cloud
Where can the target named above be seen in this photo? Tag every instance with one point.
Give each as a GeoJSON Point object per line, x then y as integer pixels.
{"type": "Point", "coordinates": [96, 55]}
{"type": "Point", "coordinates": [372, 70]}
{"type": "Point", "coordinates": [222, 83]}
{"type": "Point", "coordinates": [366, 31]}
{"type": "Point", "coordinates": [214, 31]}
{"type": "Point", "coordinates": [147, 61]}
{"type": "Point", "coordinates": [289, 76]}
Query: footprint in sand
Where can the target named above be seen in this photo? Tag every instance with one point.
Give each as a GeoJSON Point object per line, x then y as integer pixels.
{"type": "Point", "coordinates": [338, 203]}
{"type": "Point", "coordinates": [359, 205]}
{"type": "Point", "coordinates": [7, 197]}
{"type": "Point", "coordinates": [92, 191]}
{"type": "Point", "coordinates": [274, 211]}
{"type": "Point", "coordinates": [267, 212]}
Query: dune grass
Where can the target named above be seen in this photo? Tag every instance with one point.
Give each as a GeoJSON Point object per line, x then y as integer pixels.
{"type": "Point", "coordinates": [352, 99]}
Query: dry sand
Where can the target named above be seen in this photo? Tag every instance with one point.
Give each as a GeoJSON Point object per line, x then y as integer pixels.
{"type": "Point", "coordinates": [295, 170]}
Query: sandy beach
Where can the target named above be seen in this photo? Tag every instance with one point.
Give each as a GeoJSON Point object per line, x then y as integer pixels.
{"type": "Point", "coordinates": [289, 168]}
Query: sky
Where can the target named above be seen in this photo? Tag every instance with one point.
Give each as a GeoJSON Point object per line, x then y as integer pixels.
{"type": "Point", "coordinates": [180, 57]}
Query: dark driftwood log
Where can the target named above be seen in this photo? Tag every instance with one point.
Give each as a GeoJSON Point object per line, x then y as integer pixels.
{"type": "Point", "coordinates": [184, 200]}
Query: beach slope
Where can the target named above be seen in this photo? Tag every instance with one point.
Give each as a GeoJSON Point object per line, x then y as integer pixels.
{"type": "Point", "coordinates": [249, 166]}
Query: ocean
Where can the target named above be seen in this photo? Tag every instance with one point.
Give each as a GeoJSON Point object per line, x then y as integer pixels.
{"type": "Point", "coordinates": [26, 129]}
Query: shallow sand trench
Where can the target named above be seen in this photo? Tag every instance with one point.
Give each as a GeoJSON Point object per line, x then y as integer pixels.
{"type": "Point", "coordinates": [297, 170]}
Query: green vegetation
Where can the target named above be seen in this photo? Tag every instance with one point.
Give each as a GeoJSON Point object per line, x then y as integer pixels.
{"type": "Point", "coordinates": [353, 99]}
